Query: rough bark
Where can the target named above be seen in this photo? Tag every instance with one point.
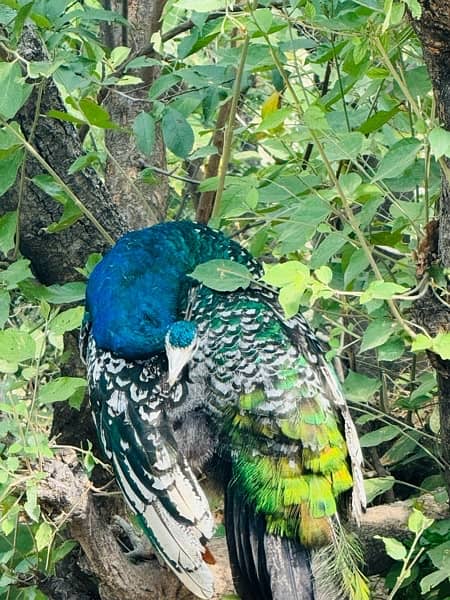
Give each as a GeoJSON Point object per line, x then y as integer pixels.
{"type": "Point", "coordinates": [68, 491]}
{"type": "Point", "coordinates": [55, 256]}
{"type": "Point", "coordinates": [433, 29]}
{"type": "Point", "coordinates": [142, 204]}
{"type": "Point", "coordinates": [206, 202]}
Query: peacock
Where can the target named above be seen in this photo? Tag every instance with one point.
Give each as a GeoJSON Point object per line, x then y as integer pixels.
{"type": "Point", "coordinates": [184, 379]}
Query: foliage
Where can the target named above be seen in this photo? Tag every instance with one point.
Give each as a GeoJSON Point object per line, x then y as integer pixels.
{"type": "Point", "coordinates": [34, 320]}
{"type": "Point", "coordinates": [334, 172]}
{"type": "Point", "coordinates": [422, 567]}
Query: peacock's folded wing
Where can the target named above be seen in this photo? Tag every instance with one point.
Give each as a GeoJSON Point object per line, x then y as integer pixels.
{"type": "Point", "coordinates": [284, 420]}
{"type": "Point", "coordinates": [129, 409]}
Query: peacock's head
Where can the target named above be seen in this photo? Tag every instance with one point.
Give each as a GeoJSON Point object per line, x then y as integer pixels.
{"type": "Point", "coordinates": [181, 342]}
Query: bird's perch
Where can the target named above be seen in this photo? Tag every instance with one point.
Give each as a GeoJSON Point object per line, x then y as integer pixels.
{"type": "Point", "coordinates": [68, 492]}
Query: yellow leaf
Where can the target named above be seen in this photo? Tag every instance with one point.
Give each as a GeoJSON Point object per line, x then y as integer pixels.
{"type": "Point", "coordinates": [271, 104]}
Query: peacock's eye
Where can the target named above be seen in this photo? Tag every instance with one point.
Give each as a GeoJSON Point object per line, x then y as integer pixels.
{"type": "Point", "coordinates": [152, 320]}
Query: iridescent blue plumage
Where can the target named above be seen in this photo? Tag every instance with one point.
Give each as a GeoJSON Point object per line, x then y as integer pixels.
{"type": "Point", "coordinates": [182, 333]}
{"type": "Point", "coordinates": [140, 286]}
{"type": "Point", "coordinates": [180, 374]}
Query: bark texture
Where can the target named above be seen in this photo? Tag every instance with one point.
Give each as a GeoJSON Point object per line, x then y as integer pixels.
{"type": "Point", "coordinates": [55, 256]}
{"type": "Point", "coordinates": [432, 312]}
{"type": "Point", "coordinates": [68, 491]}
{"type": "Point", "coordinates": [141, 203]}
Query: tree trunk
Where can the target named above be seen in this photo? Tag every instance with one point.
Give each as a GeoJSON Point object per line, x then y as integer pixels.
{"type": "Point", "coordinates": [142, 204]}
{"type": "Point", "coordinates": [433, 29]}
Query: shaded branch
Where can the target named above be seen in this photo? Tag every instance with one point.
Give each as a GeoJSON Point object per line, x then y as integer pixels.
{"type": "Point", "coordinates": [68, 495]}
{"type": "Point", "coordinates": [67, 492]}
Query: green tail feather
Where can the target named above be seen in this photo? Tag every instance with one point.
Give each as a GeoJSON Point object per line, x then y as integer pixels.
{"type": "Point", "coordinates": [339, 565]}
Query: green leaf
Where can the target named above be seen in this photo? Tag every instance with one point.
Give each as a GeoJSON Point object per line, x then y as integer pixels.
{"type": "Point", "coordinates": [59, 389]}
{"type": "Point", "coordinates": [10, 141]}
{"type": "Point", "coordinates": [441, 345]}
{"type": "Point", "coordinates": [43, 68]}
{"type": "Point", "coordinates": [67, 321]}
{"type": "Point", "coordinates": [16, 272]}
{"type": "Point", "coordinates": [347, 147]}
{"type": "Point", "coordinates": [314, 118]}
{"type": "Point", "coordinates": [274, 119]}
{"type": "Point", "coordinates": [421, 342]}
{"type": "Point", "coordinates": [324, 274]}
{"type": "Point", "coordinates": [440, 555]}
{"type": "Point", "coordinates": [144, 130]}
{"type": "Point", "coordinates": [16, 346]}
{"type": "Point", "coordinates": [378, 120]}
{"type": "Point", "coordinates": [357, 264]}
{"type": "Point", "coordinates": [394, 548]}
{"type": "Point", "coordinates": [263, 18]}
{"type": "Point", "coordinates": [31, 505]}
{"type": "Point", "coordinates": [327, 249]}
{"type": "Point", "coordinates": [188, 43]}
{"type": "Point", "coordinates": [76, 399]}
{"type": "Point", "coordinates": [350, 182]}
{"type": "Point", "coordinates": [73, 291]}
{"type": "Point", "coordinates": [14, 91]}
{"type": "Point", "coordinates": [86, 160]}
{"type": "Point", "coordinates": [414, 7]}
{"type": "Point", "coordinates": [63, 116]}
{"type": "Point", "coordinates": [99, 14]}
{"type": "Point", "coordinates": [162, 84]}
{"type": "Point", "coordinates": [286, 273]}
{"type": "Point", "coordinates": [8, 169]}
{"type": "Point", "coordinates": [71, 212]}
{"type": "Point", "coordinates": [43, 536]}
{"type": "Point", "coordinates": [222, 275]}
{"type": "Point", "coordinates": [142, 62]}
{"type": "Point", "coordinates": [204, 152]}
{"type": "Point", "coordinates": [402, 447]}
{"type": "Point", "coordinates": [177, 133]}
{"type": "Point", "coordinates": [432, 580]}
{"type": "Point", "coordinates": [382, 290]}
{"type": "Point", "coordinates": [379, 436]}
{"type": "Point", "coordinates": [290, 297]}
{"type": "Point", "coordinates": [391, 350]}
{"type": "Point", "coordinates": [398, 158]}
{"type": "Point", "coordinates": [301, 223]}
{"type": "Point", "coordinates": [359, 387]}
{"type": "Point", "coordinates": [95, 114]}
{"type": "Point", "coordinates": [418, 522]}
{"type": "Point", "coordinates": [8, 225]}
{"type": "Point", "coordinates": [63, 550]}
{"type": "Point", "coordinates": [378, 485]}
{"type": "Point", "coordinates": [118, 55]}
{"type": "Point", "coordinates": [439, 142]}
{"type": "Point", "coordinates": [238, 200]}
{"type": "Point", "coordinates": [376, 334]}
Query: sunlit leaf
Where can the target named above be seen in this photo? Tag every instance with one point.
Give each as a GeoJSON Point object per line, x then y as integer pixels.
{"type": "Point", "coordinates": [223, 275]}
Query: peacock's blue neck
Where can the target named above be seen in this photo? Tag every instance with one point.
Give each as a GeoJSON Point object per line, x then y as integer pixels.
{"type": "Point", "coordinates": [135, 293]}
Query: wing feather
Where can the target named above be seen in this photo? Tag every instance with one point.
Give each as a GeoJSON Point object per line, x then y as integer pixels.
{"type": "Point", "coordinates": [157, 483]}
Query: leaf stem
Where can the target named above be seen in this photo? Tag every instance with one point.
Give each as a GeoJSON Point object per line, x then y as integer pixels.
{"type": "Point", "coordinates": [31, 150]}
{"type": "Point", "coordinates": [228, 137]}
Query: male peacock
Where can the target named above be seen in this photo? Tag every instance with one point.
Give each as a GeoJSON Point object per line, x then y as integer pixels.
{"type": "Point", "coordinates": [181, 376]}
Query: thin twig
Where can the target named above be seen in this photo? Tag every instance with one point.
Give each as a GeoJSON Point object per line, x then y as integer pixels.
{"type": "Point", "coordinates": [31, 150]}
{"type": "Point", "coordinates": [228, 138]}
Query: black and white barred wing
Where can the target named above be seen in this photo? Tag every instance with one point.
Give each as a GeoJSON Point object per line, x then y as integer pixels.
{"type": "Point", "coordinates": [129, 412]}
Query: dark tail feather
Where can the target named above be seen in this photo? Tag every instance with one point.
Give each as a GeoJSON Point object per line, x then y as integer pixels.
{"type": "Point", "coordinates": [264, 567]}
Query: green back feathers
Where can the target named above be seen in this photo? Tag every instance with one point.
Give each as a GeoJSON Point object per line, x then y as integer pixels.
{"type": "Point", "coordinates": [297, 494]}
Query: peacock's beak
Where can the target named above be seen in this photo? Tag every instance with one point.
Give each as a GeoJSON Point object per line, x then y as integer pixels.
{"type": "Point", "coordinates": [178, 358]}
